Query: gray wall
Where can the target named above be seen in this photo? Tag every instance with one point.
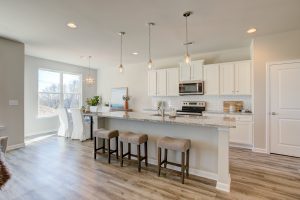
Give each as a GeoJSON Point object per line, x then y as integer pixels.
{"type": "Point", "coordinates": [278, 47]}
{"type": "Point", "coordinates": [12, 88]}
{"type": "Point", "coordinates": [33, 124]}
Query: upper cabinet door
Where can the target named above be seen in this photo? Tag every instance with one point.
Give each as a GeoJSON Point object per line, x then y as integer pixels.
{"type": "Point", "coordinates": [185, 72]}
{"type": "Point", "coordinates": [211, 79]}
{"type": "Point", "coordinates": [243, 78]}
{"type": "Point", "coordinates": [172, 82]}
{"type": "Point", "coordinates": [197, 70]}
{"type": "Point", "coordinates": [152, 83]}
{"type": "Point", "coordinates": [227, 77]}
{"type": "Point", "coordinates": [162, 82]}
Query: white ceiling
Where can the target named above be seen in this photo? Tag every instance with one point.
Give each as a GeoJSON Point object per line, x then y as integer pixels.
{"type": "Point", "coordinates": [215, 25]}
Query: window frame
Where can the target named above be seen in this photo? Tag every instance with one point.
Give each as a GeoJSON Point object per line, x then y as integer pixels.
{"type": "Point", "coordinates": [61, 92]}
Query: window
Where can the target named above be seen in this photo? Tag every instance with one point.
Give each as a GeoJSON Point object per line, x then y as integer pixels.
{"type": "Point", "coordinates": [55, 89]}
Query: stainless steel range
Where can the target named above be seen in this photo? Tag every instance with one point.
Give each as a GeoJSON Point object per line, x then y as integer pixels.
{"type": "Point", "coordinates": [192, 108]}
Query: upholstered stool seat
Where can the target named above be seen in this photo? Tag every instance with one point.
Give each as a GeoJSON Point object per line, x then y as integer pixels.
{"type": "Point", "coordinates": [175, 144]}
{"type": "Point", "coordinates": [134, 138]}
{"type": "Point", "coordinates": [105, 134]}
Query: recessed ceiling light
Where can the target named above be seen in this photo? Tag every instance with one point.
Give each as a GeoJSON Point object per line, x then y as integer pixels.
{"type": "Point", "coordinates": [71, 25]}
{"type": "Point", "coordinates": [251, 30]}
{"type": "Point", "coordinates": [135, 53]}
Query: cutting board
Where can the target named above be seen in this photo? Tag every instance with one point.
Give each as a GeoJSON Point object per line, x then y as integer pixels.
{"type": "Point", "coordinates": [238, 105]}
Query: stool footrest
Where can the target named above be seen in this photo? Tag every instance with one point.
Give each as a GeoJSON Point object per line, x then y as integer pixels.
{"type": "Point", "coordinates": [170, 163]}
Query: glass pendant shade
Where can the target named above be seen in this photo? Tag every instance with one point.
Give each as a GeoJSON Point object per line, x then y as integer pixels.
{"type": "Point", "coordinates": [90, 81]}
{"type": "Point", "coordinates": [121, 68]}
{"type": "Point", "coordinates": [187, 59]}
{"type": "Point", "coordinates": [150, 64]}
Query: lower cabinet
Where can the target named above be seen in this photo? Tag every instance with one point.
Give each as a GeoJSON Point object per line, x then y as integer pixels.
{"type": "Point", "coordinates": [242, 135]}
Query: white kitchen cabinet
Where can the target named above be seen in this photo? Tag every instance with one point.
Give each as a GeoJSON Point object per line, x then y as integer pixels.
{"type": "Point", "coordinates": [172, 82]}
{"type": "Point", "coordinates": [243, 78]}
{"type": "Point", "coordinates": [197, 70]}
{"type": "Point", "coordinates": [152, 83]}
{"type": "Point", "coordinates": [211, 79]}
{"type": "Point", "coordinates": [191, 72]}
{"type": "Point", "coordinates": [227, 78]}
{"type": "Point", "coordinates": [242, 135]}
{"type": "Point", "coordinates": [235, 78]}
{"type": "Point", "coordinates": [185, 72]}
{"type": "Point", "coordinates": [161, 82]}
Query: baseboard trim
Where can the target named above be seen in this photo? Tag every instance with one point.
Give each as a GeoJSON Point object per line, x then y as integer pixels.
{"type": "Point", "coordinates": [40, 133]}
{"type": "Point", "coordinates": [259, 150]}
{"type": "Point", "coordinates": [223, 187]}
{"type": "Point", "coordinates": [196, 172]}
{"type": "Point", "coordinates": [244, 146]}
{"type": "Point", "coordinates": [15, 146]}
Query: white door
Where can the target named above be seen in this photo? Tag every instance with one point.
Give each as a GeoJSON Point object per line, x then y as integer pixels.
{"type": "Point", "coordinates": [243, 78]}
{"type": "Point", "coordinates": [197, 70]}
{"type": "Point", "coordinates": [211, 79]}
{"type": "Point", "coordinates": [172, 82]}
{"type": "Point", "coordinates": [285, 109]}
{"type": "Point", "coordinates": [162, 82]}
{"type": "Point", "coordinates": [185, 72]}
{"type": "Point", "coordinates": [152, 83]}
{"type": "Point", "coordinates": [227, 79]}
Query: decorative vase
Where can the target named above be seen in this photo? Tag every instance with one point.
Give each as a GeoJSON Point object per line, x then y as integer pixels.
{"type": "Point", "coordinates": [125, 105]}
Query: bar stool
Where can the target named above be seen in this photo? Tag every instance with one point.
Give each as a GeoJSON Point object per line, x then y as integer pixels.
{"type": "Point", "coordinates": [106, 135]}
{"type": "Point", "coordinates": [138, 139]}
{"type": "Point", "coordinates": [175, 144]}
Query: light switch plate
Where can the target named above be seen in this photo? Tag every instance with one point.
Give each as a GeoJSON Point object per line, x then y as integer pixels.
{"type": "Point", "coordinates": [13, 102]}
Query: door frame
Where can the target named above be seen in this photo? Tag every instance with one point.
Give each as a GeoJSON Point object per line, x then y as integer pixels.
{"type": "Point", "coordinates": [268, 103]}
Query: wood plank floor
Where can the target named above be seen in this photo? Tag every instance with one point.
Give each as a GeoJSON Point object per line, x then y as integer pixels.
{"type": "Point", "coordinates": [57, 168]}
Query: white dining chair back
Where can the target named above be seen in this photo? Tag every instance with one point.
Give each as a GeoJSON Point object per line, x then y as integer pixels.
{"type": "Point", "coordinates": [63, 123]}
{"type": "Point", "coordinates": [80, 132]}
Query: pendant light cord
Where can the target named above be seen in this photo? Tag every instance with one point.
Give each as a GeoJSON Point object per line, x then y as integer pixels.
{"type": "Point", "coordinates": [149, 41]}
{"type": "Point", "coordinates": [90, 65]}
{"type": "Point", "coordinates": [186, 35]}
{"type": "Point", "coordinates": [121, 54]}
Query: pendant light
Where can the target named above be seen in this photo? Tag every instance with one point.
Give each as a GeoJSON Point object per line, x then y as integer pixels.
{"type": "Point", "coordinates": [121, 68]}
{"type": "Point", "coordinates": [187, 57]}
{"type": "Point", "coordinates": [90, 81]}
{"type": "Point", "coordinates": [150, 59]}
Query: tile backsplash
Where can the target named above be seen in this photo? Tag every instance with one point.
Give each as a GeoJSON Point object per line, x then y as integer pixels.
{"type": "Point", "coordinates": [213, 103]}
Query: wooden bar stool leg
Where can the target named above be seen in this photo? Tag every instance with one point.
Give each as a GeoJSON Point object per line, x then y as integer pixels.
{"type": "Point", "coordinates": [146, 153]}
{"type": "Point", "coordinates": [117, 149]}
{"type": "Point", "coordinates": [108, 144]}
{"type": "Point", "coordinates": [187, 162]}
{"type": "Point", "coordinates": [95, 147]}
{"type": "Point", "coordinates": [182, 166]}
{"type": "Point", "coordinates": [121, 149]}
{"type": "Point", "coordinates": [166, 158]}
{"type": "Point", "coordinates": [103, 144]}
{"type": "Point", "coordinates": [159, 160]}
{"type": "Point", "coordinates": [139, 157]}
{"type": "Point", "coordinates": [129, 151]}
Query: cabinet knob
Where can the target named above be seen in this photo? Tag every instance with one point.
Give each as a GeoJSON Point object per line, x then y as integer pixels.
{"type": "Point", "coordinates": [274, 113]}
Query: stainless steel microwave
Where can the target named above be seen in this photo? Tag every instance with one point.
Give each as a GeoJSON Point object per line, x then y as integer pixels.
{"type": "Point", "coordinates": [191, 88]}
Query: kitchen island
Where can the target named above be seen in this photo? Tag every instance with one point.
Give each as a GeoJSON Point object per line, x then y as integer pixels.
{"type": "Point", "coordinates": [209, 154]}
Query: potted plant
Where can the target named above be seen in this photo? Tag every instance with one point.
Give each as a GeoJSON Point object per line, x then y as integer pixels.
{"type": "Point", "coordinates": [93, 103]}
{"type": "Point", "coordinates": [126, 98]}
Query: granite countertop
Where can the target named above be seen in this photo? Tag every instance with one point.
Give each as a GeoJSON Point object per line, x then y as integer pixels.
{"type": "Point", "coordinates": [228, 113]}
{"type": "Point", "coordinates": [217, 122]}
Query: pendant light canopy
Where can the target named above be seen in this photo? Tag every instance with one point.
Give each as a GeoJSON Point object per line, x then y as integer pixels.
{"type": "Point", "coordinates": [90, 81]}
{"type": "Point", "coordinates": [150, 59]}
{"type": "Point", "coordinates": [121, 68]}
{"type": "Point", "coordinates": [187, 57]}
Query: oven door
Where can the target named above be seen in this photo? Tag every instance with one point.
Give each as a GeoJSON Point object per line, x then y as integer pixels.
{"type": "Point", "coordinates": [191, 88]}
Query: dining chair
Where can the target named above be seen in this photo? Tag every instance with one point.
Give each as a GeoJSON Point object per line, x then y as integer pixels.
{"type": "Point", "coordinates": [63, 130]}
{"type": "Point", "coordinates": [80, 130]}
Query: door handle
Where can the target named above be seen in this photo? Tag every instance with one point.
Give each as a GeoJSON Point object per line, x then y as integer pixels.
{"type": "Point", "coordinates": [274, 113]}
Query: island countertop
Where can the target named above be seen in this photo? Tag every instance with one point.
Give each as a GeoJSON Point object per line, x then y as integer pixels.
{"type": "Point", "coordinates": [215, 122]}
